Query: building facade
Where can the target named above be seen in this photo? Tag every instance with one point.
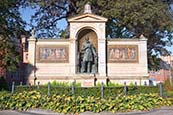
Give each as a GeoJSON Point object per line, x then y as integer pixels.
{"type": "Point", "coordinates": [165, 73]}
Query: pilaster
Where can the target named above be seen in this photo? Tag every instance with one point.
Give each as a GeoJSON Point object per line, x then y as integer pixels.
{"type": "Point", "coordinates": [31, 57]}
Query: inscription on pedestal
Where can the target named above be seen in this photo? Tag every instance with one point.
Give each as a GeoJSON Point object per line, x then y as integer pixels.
{"type": "Point", "coordinates": [87, 83]}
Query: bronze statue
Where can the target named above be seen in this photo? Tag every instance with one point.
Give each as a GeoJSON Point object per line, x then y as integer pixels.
{"type": "Point", "coordinates": [89, 57]}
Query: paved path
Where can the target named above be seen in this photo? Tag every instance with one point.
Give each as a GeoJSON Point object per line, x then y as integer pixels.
{"type": "Point", "coordinates": [161, 111]}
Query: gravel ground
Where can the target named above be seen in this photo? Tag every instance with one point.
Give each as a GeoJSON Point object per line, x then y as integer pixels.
{"type": "Point", "coordinates": [160, 111]}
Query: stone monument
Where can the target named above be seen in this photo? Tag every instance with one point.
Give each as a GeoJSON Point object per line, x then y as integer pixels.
{"type": "Point", "coordinates": [87, 56]}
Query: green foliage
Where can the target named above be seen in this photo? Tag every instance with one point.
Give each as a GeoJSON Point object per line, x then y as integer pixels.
{"type": "Point", "coordinates": [87, 91]}
{"type": "Point", "coordinates": [20, 101]}
{"type": "Point", "coordinates": [154, 62]}
{"type": "Point", "coordinates": [114, 84]}
{"type": "Point", "coordinates": [63, 84]}
{"type": "Point", "coordinates": [142, 89]}
{"type": "Point", "coordinates": [109, 84]}
{"type": "Point", "coordinates": [12, 26]}
{"type": "Point", "coordinates": [3, 84]}
{"type": "Point", "coordinates": [60, 90]}
{"type": "Point", "coordinates": [63, 34]}
{"type": "Point", "coordinates": [168, 94]}
{"type": "Point", "coordinates": [71, 104]}
{"type": "Point", "coordinates": [47, 15]}
{"type": "Point", "coordinates": [90, 91]}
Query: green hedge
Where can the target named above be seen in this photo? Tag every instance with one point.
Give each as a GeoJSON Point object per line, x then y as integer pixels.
{"type": "Point", "coordinates": [90, 91]}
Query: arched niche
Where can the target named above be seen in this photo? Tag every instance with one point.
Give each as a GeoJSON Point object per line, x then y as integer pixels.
{"type": "Point", "coordinates": [81, 36]}
{"type": "Point", "coordinates": [80, 26]}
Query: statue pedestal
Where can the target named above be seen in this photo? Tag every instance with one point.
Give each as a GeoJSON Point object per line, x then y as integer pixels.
{"type": "Point", "coordinates": [89, 79]}
{"type": "Point", "coordinates": [87, 83]}
{"type": "Point", "coordinates": [86, 79]}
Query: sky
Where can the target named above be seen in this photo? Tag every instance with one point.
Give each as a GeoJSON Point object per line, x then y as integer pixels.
{"type": "Point", "coordinates": [27, 12]}
{"type": "Point", "coordinates": [171, 48]}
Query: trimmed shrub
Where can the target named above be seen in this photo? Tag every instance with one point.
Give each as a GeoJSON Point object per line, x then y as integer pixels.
{"type": "Point", "coordinates": [90, 91]}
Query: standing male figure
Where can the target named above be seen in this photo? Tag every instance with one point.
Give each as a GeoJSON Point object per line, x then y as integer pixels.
{"type": "Point", "coordinates": [88, 56]}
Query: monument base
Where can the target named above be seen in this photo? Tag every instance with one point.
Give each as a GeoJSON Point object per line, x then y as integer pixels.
{"type": "Point", "coordinates": [90, 80]}
{"type": "Point", "coordinates": [133, 80]}
{"type": "Point", "coordinates": [86, 80]}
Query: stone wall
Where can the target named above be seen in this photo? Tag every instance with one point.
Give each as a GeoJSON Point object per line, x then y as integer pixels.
{"type": "Point", "coordinates": [50, 60]}
{"type": "Point", "coordinates": [124, 67]}
{"type": "Point", "coordinates": [129, 64]}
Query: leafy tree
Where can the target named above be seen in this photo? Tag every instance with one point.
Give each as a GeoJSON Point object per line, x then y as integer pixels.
{"type": "Point", "coordinates": [48, 13]}
{"type": "Point", "coordinates": [11, 27]}
{"type": "Point", "coordinates": [126, 19]}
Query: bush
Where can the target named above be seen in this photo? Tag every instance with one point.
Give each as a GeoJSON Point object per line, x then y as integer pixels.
{"type": "Point", "coordinates": [3, 84]}
{"type": "Point", "coordinates": [63, 84]}
{"type": "Point", "coordinates": [78, 104]}
{"type": "Point", "coordinates": [87, 91]}
{"type": "Point", "coordinates": [90, 91]}
{"type": "Point", "coordinates": [142, 89]}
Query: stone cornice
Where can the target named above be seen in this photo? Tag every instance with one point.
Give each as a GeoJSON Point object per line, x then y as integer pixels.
{"type": "Point", "coordinates": [87, 17]}
{"type": "Point", "coordinates": [53, 40]}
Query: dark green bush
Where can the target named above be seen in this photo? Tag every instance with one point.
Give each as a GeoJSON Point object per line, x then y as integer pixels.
{"type": "Point", "coordinates": [87, 91]}
{"type": "Point", "coordinates": [3, 84]}
{"type": "Point", "coordinates": [142, 89]}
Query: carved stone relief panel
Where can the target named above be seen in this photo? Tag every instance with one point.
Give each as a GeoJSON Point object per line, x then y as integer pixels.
{"type": "Point", "coordinates": [52, 54]}
{"type": "Point", "coordinates": [122, 54]}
